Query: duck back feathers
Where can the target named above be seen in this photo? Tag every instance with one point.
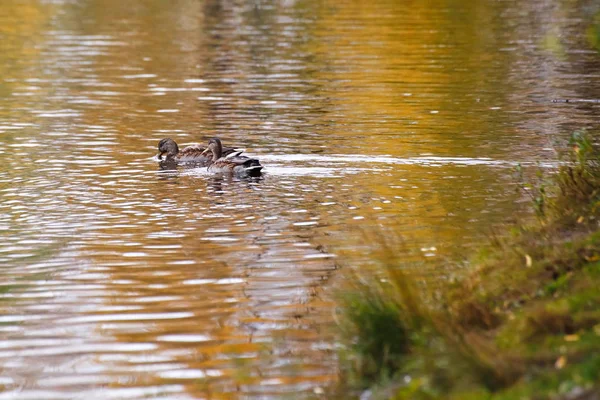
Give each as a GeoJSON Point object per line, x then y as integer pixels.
{"type": "Point", "coordinates": [240, 166]}
{"type": "Point", "coordinates": [194, 154]}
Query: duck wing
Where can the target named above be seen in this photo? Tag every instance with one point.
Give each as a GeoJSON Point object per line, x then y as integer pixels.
{"type": "Point", "coordinates": [196, 153]}
{"type": "Point", "coordinates": [193, 153]}
{"type": "Point", "coordinates": [238, 165]}
{"type": "Point", "coordinates": [235, 153]}
{"type": "Point", "coordinates": [229, 150]}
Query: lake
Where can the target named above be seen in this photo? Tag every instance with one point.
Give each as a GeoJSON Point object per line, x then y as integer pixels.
{"type": "Point", "coordinates": [388, 121]}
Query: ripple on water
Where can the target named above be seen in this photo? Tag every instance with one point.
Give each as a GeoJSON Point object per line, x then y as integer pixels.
{"type": "Point", "coordinates": [184, 338]}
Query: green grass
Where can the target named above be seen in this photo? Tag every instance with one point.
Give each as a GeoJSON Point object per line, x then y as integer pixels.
{"type": "Point", "coordinates": [523, 323]}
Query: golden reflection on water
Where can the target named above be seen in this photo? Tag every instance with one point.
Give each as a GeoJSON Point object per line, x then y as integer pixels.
{"type": "Point", "coordinates": [125, 281]}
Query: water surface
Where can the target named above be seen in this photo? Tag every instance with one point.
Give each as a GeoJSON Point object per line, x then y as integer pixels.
{"type": "Point", "coordinates": [120, 280]}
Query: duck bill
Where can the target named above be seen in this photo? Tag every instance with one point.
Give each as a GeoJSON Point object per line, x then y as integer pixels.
{"type": "Point", "coordinates": [204, 152]}
{"type": "Point", "coordinates": [159, 155]}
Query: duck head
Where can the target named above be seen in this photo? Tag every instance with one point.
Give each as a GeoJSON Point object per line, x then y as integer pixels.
{"type": "Point", "coordinates": [216, 147]}
{"type": "Point", "coordinates": [169, 147]}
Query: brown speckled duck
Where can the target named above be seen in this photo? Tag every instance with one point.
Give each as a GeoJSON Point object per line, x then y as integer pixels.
{"type": "Point", "coordinates": [232, 163]}
{"type": "Point", "coordinates": [194, 154]}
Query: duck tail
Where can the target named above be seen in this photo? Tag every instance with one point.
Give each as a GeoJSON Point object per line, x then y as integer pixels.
{"type": "Point", "coordinates": [254, 170]}
{"type": "Point", "coordinates": [253, 167]}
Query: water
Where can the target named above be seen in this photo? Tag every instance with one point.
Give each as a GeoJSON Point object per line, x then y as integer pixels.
{"type": "Point", "coordinates": [120, 280]}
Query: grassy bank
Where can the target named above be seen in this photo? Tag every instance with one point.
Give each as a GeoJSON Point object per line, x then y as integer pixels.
{"type": "Point", "coordinates": [523, 323]}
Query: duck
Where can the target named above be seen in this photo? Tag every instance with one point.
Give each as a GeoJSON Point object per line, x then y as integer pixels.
{"type": "Point", "coordinates": [233, 163]}
{"type": "Point", "coordinates": [193, 154]}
